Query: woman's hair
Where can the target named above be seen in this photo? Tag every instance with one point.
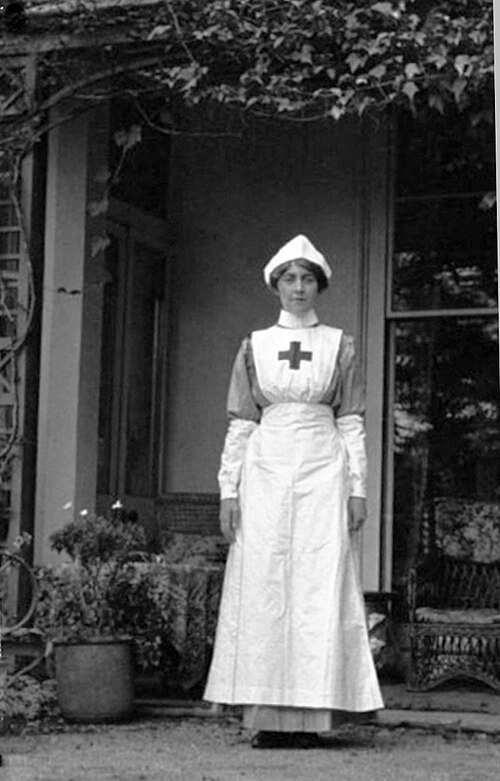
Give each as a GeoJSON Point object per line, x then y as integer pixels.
{"type": "Point", "coordinates": [313, 268]}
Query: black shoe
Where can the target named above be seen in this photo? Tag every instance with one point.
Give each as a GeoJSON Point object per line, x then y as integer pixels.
{"type": "Point", "coordinates": [271, 740]}
{"type": "Point", "coordinates": [305, 740]}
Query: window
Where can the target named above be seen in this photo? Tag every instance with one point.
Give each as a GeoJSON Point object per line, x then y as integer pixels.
{"type": "Point", "coordinates": [443, 407]}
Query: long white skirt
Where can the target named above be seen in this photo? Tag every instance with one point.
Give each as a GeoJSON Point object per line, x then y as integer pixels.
{"type": "Point", "coordinates": [292, 629]}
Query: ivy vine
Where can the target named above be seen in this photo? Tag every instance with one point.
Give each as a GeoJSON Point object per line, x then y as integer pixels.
{"type": "Point", "coordinates": [295, 59]}
{"type": "Point", "coordinates": [311, 59]}
{"type": "Point", "coordinates": [299, 60]}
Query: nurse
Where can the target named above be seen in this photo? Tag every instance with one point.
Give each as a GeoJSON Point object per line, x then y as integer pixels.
{"type": "Point", "coordinates": [292, 645]}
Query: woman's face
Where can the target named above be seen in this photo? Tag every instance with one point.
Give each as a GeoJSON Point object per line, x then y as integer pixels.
{"type": "Point", "coordinates": [298, 289]}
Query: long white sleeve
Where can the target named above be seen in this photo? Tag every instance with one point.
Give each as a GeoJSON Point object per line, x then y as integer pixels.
{"type": "Point", "coordinates": [352, 430]}
{"type": "Point", "coordinates": [244, 416]}
{"type": "Point", "coordinates": [232, 456]}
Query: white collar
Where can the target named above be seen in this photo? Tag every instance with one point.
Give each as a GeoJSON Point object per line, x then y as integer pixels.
{"type": "Point", "coordinates": [289, 320]}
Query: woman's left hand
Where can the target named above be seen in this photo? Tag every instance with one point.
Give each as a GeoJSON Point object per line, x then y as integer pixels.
{"type": "Point", "coordinates": [356, 508]}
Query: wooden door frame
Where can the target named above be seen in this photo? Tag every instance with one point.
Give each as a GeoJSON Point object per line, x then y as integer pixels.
{"type": "Point", "coordinates": [131, 225]}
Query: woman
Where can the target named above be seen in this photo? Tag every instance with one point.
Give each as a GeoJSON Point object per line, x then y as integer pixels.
{"type": "Point", "coordinates": [292, 645]}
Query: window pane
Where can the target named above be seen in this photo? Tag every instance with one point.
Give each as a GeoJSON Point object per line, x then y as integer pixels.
{"type": "Point", "coordinates": [445, 255]}
{"type": "Point", "coordinates": [445, 154]}
{"type": "Point", "coordinates": [446, 432]}
{"type": "Point", "coordinates": [147, 289]}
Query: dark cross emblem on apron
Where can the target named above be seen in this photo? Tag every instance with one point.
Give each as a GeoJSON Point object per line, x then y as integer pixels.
{"type": "Point", "coordinates": [294, 355]}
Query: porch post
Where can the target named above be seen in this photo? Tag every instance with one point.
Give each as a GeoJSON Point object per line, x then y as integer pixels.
{"type": "Point", "coordinates": [71, 331]}
{"type": "Point", "coordinates": [376, 553]}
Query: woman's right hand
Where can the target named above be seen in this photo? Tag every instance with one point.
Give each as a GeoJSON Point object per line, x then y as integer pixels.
{"type": "Point", "coordinates": [229, 517]}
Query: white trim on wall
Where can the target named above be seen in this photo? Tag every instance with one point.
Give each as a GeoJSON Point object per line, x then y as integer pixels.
{"type": "Point", "coordinates": [375, 570]}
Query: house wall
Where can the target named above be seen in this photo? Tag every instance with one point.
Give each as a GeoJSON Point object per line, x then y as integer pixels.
{"type": "Point", "coordinates": [234, 202]}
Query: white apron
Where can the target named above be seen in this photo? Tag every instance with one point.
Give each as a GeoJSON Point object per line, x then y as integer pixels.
{"type": "Point", "coordinates": [292, 629]}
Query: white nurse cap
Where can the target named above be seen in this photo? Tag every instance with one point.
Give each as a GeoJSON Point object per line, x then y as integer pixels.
{"type": "Point", "coordinates": [298, 248]}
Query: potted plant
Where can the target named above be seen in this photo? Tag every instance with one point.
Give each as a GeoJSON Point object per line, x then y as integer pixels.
{"type": "Point", "coordinates": [88, 608]}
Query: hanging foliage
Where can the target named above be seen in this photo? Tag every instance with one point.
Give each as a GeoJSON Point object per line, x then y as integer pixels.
{"type": "Point", "coordinates": [319, 58]}
{"type": "Point", "coordinates": [297, 59]}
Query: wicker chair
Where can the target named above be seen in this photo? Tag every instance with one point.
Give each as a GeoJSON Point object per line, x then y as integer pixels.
{"type": "Point", "coordinates": [454, 597]}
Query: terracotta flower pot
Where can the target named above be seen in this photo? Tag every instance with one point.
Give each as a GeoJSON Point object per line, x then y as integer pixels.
{"type": "Point", "coordinates": [95, 680]}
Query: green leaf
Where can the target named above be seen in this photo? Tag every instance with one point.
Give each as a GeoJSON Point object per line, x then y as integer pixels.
{"type": "Point", "coordinates": [306, 54]}
{"type": "Point", "coordinates": [127, 139]}
{"type": "Point", "coordinates": [488, 200]}
{"type": "Point", "coordinates": [436, 101]}
{"type": "Point", "coordinates": [458, 88]}
{"type": "Point", "coordinates": [410, 89]}
{"type": "Point", "coordinates": [336, 112]}
{"type": "Point", "coordinates": [482, 116]}
{"type": "Point", "coordinates": [285, 104]}
{"type": "Point", "coordinates": [103, 175]}
{"type": "Point", "coordinates": [96, 208]}
{"type": "Point", "coordinates": [437, 59]}
{"type": "Point", "coordinates": [99, 243]}
{"type": "Point", "coordinates": [355, 61]}
{"type": "Point", "coordinates": [378, 72]}
{"type": "Point", "coordinates": [351, 21]}
{"type": "Point", "coordinates": [463, 64]}
{"type": "Point", "coordinates": [387, 9]}
{"type": "Point", "coordinates": [478, 37]}
{"type": "Point", "coordinates": [345, 96]}
{"type": "Point", "coordinates": [362, 105]}
{"type": "Point", "coordinates": [411, 70]}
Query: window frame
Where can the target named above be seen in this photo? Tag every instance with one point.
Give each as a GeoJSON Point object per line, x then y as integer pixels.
{"type": "Point", "coordinates": [391, 318]}
{"type": "Point", "coordinates": [131, 226]}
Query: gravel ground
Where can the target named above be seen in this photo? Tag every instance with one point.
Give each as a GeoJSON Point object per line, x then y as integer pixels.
{"type": "Point", "coordinates": [207, 749]}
